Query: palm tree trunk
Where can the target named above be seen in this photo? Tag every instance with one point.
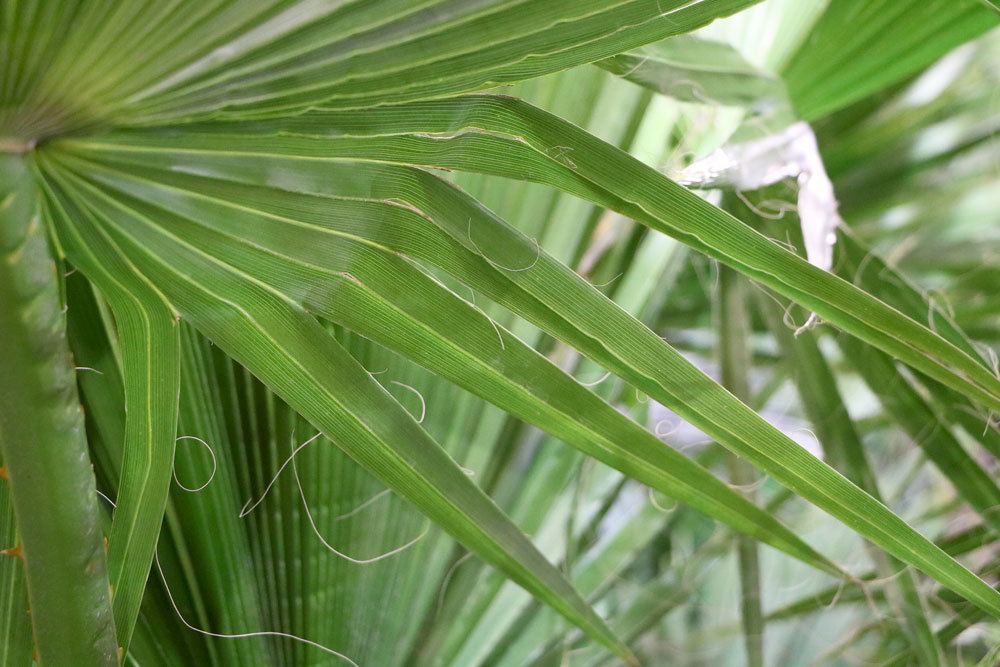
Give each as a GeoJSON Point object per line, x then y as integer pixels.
{"type": "Point", "coordinates": [44, 445]}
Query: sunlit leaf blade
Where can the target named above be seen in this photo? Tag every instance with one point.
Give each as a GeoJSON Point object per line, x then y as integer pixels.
{"type": "Point", "coordinates": [147, 333]}
{"type": "Point", "coordinates": [290, 351]}
{"type": "Point", "coordinates": [378, 294]}
{"type": "Point", "coordinates": [555, 299]}
{"type": "Point", "coordinates": [352, 56]}
{"type": "Point", "coordinates": [133, 62]}
{"type": "Point", "coordinates": [95, 344]}
{"type": "Point", "coordinates": [472, 133]}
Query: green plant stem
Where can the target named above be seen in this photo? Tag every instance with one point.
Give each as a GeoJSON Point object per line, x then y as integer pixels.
{"type": "Point", "coordinates": [734, 359]}
{"type": "Point", "coordinates": [44, 444]}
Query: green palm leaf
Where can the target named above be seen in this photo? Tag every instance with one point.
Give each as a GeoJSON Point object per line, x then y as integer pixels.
{"type": "Point", "coordinates": [305, 365]}
{"type": "Point", "coordinates": [320, 290]}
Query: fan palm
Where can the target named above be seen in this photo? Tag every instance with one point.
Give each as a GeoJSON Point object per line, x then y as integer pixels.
{"type": "Point", "coordinates": [309, 324]}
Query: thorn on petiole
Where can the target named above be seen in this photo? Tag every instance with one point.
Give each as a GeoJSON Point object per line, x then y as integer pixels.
{"type": "Point", "coordinates": [17, 552]}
